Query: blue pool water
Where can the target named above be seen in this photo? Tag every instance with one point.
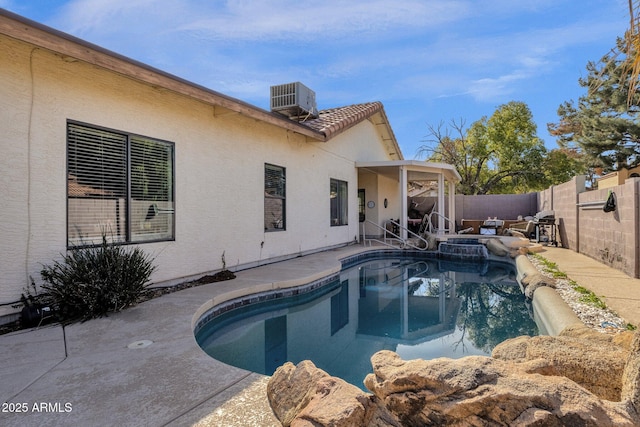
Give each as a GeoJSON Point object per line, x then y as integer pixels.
{"type": "Point", "coordinates": [419, 308]}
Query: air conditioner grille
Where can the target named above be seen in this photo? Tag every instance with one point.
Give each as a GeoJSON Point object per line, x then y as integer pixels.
{"type": "Point", "coordinates": [293, 100]}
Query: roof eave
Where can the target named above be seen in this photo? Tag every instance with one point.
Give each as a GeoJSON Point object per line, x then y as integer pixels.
{"type": "Point", "coordinates": [445, 168]}
{"type": "Point", "coordinates": [28, 31]}
{"type": "Point", "coordinates": [376, 110]}
{"type": "Point", "coordinates": [392, 137]}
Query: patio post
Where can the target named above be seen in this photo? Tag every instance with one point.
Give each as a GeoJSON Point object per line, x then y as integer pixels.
{"type": "Point", "coordinates": [404, 211]}
{"type": "Point", "coordinates": [441, 211]}
{"type": "Point", "coordinates": [452, 206]}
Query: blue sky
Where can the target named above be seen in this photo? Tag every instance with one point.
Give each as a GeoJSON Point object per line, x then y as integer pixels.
{"type": "Point", "coordinates": [427, 61]}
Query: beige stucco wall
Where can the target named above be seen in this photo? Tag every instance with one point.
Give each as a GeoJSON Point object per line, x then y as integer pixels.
{"type": "Point", "coordinates": [617, 178]}
{"type": "Point", "coordinates": [368, 181]}
{"type": "Point", "coordinates": [388, 189]}
{"type": "Point", "coordinates": [611, 180]}
{"type": "Point", "coordinates": [377, 189]}
{"type": "Point", "coordinates": [219, 169]}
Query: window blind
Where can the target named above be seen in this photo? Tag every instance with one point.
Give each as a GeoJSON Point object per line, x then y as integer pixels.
{"type": "Point", "coordinates": [119, 186]}
{"type": "Point", "coordinates": [274, 197]}
{"type": "Point", "coordinates": [97, 185]}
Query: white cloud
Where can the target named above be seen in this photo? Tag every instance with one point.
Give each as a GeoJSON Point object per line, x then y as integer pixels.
{"type": "Point", "coordinates": [488, 89]}
{"type": "Point", "coordinates": [244, 20]}
{"type": "Point", "coordinates": [326, 20]}
{"type": "Point", "coordinates": [87, 16]}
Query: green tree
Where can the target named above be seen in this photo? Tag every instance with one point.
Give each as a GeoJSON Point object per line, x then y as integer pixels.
{"type": "Point", "coordinates": [604, 122]}
{"type": "Point", "coordinates": [469, 155]}
{"type": "Point", "coordinates": [500, 154]}
{"type": "Point", "coordinates": [562, 164]}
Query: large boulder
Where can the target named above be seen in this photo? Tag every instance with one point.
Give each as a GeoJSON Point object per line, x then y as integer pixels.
{"type": "Point", "coordinates": [539, 381]}
{"type": "Point", "coordinates": [289, 388]}
{"type": "Point", "coordinates": [306, 396]}
{"type": "Point", "coordinates": [497, 248]}
{"type": "Point", "coordinates": [479, 391]}
{"type": "Point", "coordinates": [588, 362]}
{"type": "Point", "coordinates": [631, 376]}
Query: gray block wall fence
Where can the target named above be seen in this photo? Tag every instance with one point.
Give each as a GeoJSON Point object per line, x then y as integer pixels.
{"type": "Point", "coordinates": [613, 238]}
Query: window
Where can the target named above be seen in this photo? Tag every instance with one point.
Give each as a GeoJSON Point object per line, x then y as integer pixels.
{"type": "Point", "coordinates": [338, 195]}
{"type": "Point", "coordinates": [274, 198]}
{"type": "Point", "coordinates": [119, 185]}
{"type": "Point", "coordinates": [361, 205]}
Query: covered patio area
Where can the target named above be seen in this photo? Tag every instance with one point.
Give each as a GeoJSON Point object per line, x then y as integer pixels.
{"type": "Point", "coordinates": [384, 188]}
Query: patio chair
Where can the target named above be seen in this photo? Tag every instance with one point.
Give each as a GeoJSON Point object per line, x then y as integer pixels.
{"type": "Point", "coordinates": [527, 228]}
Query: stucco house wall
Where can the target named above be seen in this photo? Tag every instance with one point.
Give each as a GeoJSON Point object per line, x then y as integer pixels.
{"type": "Point", "coordinates": [368, 181]}
{"type": "Point", "coordinates": [219, 169]}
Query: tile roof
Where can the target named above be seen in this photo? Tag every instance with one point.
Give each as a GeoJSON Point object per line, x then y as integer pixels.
{"type": "Point", "coordinates": [336, 120]}
{"type": "Point", "coordinates": [75, 189]}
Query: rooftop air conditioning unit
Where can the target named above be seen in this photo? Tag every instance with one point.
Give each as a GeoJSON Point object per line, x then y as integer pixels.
{"type": "Point", "coordinates": [294, 100]}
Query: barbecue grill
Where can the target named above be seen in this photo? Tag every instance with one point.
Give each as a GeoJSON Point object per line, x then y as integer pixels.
{"type": "Point", "coordinates": [544, 220]}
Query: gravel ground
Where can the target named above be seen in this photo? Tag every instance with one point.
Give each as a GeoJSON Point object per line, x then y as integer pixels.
{"type": "Point", "coordinates": [602, 320]}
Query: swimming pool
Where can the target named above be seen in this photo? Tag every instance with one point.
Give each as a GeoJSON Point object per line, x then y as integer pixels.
{"type": "Point", "coordinates": [417, 307]}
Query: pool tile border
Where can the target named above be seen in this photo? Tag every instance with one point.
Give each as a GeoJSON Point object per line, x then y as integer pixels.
{"type": "Point", "coordinates": [346, 262]}
{"type": "Point", "coordinates": [243, 301]}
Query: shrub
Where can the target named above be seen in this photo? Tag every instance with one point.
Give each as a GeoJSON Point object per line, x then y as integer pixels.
{"type": "Point", "coordinates": [91, 282]}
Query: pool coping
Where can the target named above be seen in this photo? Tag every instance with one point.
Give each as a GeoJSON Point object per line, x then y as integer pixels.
{"type": "Point", "coordinates": [551, 313]}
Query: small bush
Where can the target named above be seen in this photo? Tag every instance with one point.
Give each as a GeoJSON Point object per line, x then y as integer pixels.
{"type": "Point", "coordinates": [91, 282]}
{"type": "Point", "coordinates": [589, 297]}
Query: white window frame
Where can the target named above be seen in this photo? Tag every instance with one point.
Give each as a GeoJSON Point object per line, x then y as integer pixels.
{"type": "Point", "coordinates": [338, 202]}
{"type": "Point", "coordinates": [275, 198]}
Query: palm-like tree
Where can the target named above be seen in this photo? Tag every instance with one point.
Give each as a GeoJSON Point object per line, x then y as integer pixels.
{"type": "Point", "coordinates": [633, 46]}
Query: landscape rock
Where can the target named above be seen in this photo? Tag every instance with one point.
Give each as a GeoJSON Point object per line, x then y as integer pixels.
{"type": "Point", "coordinates": [497, 248]}
{"type": "Point", "coordinates": [586, 360]}
{"type": "Point", "coordinates": [515, 242]}
{"type": "Point", "coordinates": [533, 281]}
{"type": "Point", "coordinates": [306, 396]}
{"type": "Point", "coordinates": [531, 381]}
{"type": "Point", "coordinates": [631, 376]}
{"type": "Point", "coordinates": [479, 390]}
{"type": "Point", "coordinates": [289, 389]}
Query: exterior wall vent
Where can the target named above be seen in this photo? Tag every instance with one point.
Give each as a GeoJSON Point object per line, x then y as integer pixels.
{"type": "Point", "coordinates": [294, 100]}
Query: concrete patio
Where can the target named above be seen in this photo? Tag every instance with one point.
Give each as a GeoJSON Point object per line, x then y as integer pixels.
{"type": "Point", "coordinates": [143, 367]}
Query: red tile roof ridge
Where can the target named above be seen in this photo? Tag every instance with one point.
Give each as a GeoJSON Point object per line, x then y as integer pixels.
{"type": "Point", "coordinates": [333, 121]}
